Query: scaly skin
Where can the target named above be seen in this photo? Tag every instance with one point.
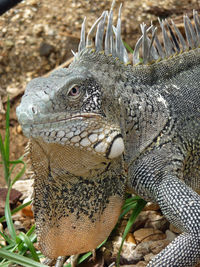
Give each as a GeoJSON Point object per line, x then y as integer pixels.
{"type": "Point", "coordinates": [101, 127]}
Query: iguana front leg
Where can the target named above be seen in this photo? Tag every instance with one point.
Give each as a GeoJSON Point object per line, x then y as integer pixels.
{"type": "Point", "coordinates": [179, 203]}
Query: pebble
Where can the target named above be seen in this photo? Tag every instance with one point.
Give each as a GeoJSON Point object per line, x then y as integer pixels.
{"type": "Point", "coordinates": [19, 129]}
{"type": "Point", "coordinates": [170, 235]}
{"type": "Point", "coordinates": [139, 264]}
{"type": "Point", "coordinates": [25, 187]}
{"type": "Point", "coordinates": [14, 197]}
{"type": "Point", "coordinates": [148, 234]}
{"type": "Point", "coordinates": [151, 219]}
{"type": "Point", "coordinates": [46, 49]}
{"type": "Point", "coordinates": [156, 246]}
{"type": "Point", "coordinates": [130, 238]}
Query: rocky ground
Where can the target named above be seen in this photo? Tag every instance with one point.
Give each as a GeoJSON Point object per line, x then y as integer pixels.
{"type": "Point", "coordinates": [36, 37]}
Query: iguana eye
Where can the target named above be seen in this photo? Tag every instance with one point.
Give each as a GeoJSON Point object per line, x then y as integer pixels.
{"type": "Point", "coordinates": [74, 91]}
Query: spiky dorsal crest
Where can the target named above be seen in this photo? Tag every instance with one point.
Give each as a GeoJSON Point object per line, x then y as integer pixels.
{"type": "Point", "coordinates": [151, 48]}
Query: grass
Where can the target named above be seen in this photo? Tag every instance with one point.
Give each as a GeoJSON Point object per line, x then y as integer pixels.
{"type": "Point", "coordinates": [19, 247]}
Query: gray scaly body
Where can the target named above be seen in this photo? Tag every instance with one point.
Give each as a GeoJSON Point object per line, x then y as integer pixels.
{"type": "Point", "coordinates": [103, 126]}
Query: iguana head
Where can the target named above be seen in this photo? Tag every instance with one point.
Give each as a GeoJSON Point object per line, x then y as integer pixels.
{"type": "Point", "coordinates": [77, 106]}
{"type": "Point", "coordinates": [67, 108]}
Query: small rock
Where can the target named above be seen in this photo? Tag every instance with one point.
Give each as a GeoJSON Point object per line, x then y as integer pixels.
{"type": "Point", "coordinates": [12, 90]}
{"type": "Point", "coordinates": [157, 246]}
{"type": "Point", "coordinates": [170, 235]}
{"type": "Point", "coordinates": [33, 2]}
{"type": "Point", "coordinates": [15, 18]}
{"type": "Point", "coordinates": [141, 250]}
{"type": "Point", "coordinates": [139, 264]}
{"type": "Point", "coordinates": [130, 238]}
{"type": "Point", "coordinates": [18, 225]}
{"type": "Point", "coordinates": [156, 220]}
{"type": "Point", "coordinates": [9, 44]}
{"type": "Point", "coordinates": [27, 211]}
{"type": "Point", "coordinates": [19, 129]}
{"type": "Point", "coordinates": [25, 187]}
{"type": "Point", "coordinates": [148, 234]}
{"type": "Point", "coordinates": [38, 29]}
{"type": "Point", "coordinates": [128, 249]}
{"type": "Point", "coordinates": [46, 49]}
{"type": "Point", "coordinates": [14, 197]}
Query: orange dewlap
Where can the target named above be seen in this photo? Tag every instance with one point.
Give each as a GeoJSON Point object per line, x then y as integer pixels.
{"type": "Point", "coordinates": [71, 236]}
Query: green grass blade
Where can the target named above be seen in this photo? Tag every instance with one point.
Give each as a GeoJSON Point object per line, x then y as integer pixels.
{"type": "Point", "coordinates": [139, 207]}
{"type": "Point", "coordinates": [22, 246]}
{"type": "Point", "coordinates": [8, 216]}
{"type": "Point", "coordinates": [125, 211]}
{"type": "Point", "coordinates": [4, 146]}
{"type": "Point", "coordinates": [7, 134]}
{"type": "Point", "coordinates": [25, 239]}
{"type": "Point", "coordinates": [19, 259]}
{"type": "Point", "coordinates": [5, 164]}
{"type": "Point", "coordinates": [7, 239]}
{"type": "Point", "coordinates": [130, 50]}
{"type": "Point", "coordinates": [6, 264]}
{"type": "Point", "coordinates": [129, 204]}
{"type": "Point", "coordinates": [31, 230]}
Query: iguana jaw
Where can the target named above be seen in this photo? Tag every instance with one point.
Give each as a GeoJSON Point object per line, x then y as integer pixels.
{"type": "Point", "coordinates": [87, 132]}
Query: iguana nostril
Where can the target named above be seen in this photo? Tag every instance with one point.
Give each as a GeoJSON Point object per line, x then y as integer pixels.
{"type": "Point", "coordinates": [33, 109]}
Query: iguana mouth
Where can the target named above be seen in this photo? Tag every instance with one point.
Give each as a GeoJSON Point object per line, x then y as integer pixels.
{"type": "Point", "coordinates": [87, 131]}
{"type": "Point", "coordinates": [62, 118]}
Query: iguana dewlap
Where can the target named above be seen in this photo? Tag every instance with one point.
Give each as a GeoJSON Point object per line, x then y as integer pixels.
{"type": "Point", "coordinates": [79, 212]}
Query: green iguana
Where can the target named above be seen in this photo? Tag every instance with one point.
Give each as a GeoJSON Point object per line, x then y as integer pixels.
{"type": "Point", "coordinates": [105, 125]}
